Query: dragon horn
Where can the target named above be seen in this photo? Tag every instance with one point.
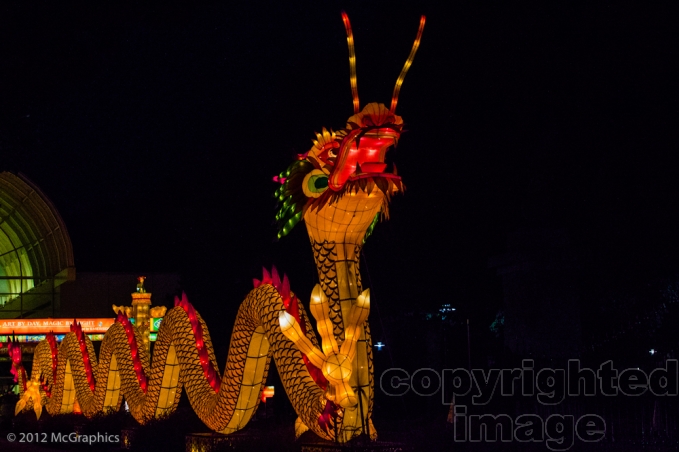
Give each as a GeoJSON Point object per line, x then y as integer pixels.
{"type": "Point", "coordinates": [409, 61]}
{"type": "Point", "coordinates": [352, 62]}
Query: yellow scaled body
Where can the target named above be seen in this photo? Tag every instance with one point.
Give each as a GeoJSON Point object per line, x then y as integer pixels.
{"type": "Point", "coordinates": [175, 367]}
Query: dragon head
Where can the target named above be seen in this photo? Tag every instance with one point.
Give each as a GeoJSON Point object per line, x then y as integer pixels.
{"type": "Point", "coordinates": [343, 183]}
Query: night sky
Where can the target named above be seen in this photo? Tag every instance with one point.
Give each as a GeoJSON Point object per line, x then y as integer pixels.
{"type": "Point", "coordinates": [156, 131]}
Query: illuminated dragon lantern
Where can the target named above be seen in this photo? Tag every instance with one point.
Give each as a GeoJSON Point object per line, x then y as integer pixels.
{"type": "Point", "coordinates": [340, 188]}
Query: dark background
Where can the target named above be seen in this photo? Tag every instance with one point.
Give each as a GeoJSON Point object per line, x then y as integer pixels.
{"type": "Point", "coordinates": [156, 130]}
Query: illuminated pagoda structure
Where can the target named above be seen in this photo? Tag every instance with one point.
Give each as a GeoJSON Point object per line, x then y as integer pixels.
{"type": "Point", "coordinates": [142, 315]}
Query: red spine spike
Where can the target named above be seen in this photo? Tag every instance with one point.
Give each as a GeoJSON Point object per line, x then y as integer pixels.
{"type": "Point", "coordinates": [190, 311]}
{"type": "Point", "coordinates": [51, 339]}
{"type": "Point", "coordinates": [210, 373]}
{"type": "Point", "coordinates": [275, 278]}
{"type": "Point", "coordinates": [77, 329]}
{"type": "Point", "coordinates": [285, 288]}
{"type": "Point", "coordinates": [329, 412]}
{"type": "Point", "coordinates": [14, 351]}
{"type": "Point", "coordinates": [266, 277]}
{"type": "Point", "coordinates": [256, 282]}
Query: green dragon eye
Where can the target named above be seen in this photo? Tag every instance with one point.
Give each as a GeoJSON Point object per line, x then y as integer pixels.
{"type": "Point", "coordinates": [320, 182]}
{"type": "Point", "coordinates": [315, 183]}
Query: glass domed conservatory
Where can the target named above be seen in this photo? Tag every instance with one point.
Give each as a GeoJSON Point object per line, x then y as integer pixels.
{"type": "Point", "coordinates": [36, 255]}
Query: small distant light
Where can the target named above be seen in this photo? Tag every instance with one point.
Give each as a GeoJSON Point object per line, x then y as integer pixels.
{"type": "Point", "coordinates": [652, 351]}
{"type": "Point", "coordinates": [379, 345]}
{"type": "Point", "coordinates": [267, 392]}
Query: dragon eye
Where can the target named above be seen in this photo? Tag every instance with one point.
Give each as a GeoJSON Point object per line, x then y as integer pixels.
{"type": "Point", "coordinates": [315, 183]}
{"type": "Point", "coordinates": [320, 182]}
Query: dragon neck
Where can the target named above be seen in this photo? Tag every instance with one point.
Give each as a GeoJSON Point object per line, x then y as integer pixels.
{"type": "Point", "coordinates": [336, 232]}
{"type": "Point", "coordinates": [340, 278]}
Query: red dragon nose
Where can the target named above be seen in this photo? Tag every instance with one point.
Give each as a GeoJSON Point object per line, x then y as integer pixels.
{"type": "Point", "coordinates": [367, 157]}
